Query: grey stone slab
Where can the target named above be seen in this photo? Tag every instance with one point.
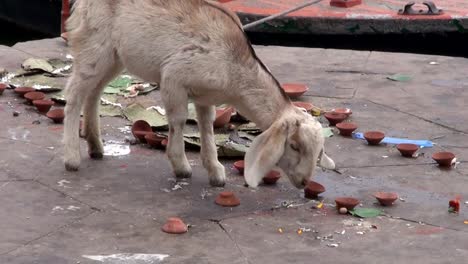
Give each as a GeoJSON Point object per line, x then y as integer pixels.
{"type": "Point", "coordinates": [111, 233]}
{"type": "Point", "coordinates": [45, 48]}
{"type": "Point", "coordinates": [11, 59]}
{"type": "Point", "coordinates": [30, 210]}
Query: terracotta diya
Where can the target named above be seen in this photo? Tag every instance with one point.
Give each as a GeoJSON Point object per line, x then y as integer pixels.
{"type": "Point", "coordinates": [140, 129]}
{"type": "Point", "coordinates": [57, 115]}
{"type": "Point", "coordinates": [307, 106]}
{"type": "Point", "coordinates": [32, 96]}
{"type": "Point", "coordinates": [295, 89]}
{"type": "Point", "coordinates": [154, 140]}
{"type": "Point", "coordinates": [239, 165]}
{"type": "Point", "coordinates": [43, 106]}
{"type": "Point", "coordinates": [407, 150]}
{"type": "Point", "coordinates": [227, 199]}
{"type": "Point", "coordinates": [223, 116]}
{"type": "Point", "coordinates": [374, 137]}
{"type": "Point", "coordinates": [346, 129]}
{"type": "Point", "coordinates": [444, 159]}
{"type": "Point", "coordinates": [386, 198]}
{"type": "Point", "coordinates": [272, 177]}
{"type": "Point", "coordinates": [335, 118]}
{"type": "Point", "coordinates": [21, 91]}
{"type": "Point", "coordinates": [174, 225]}
{"type": "Point", "coordinates": [347, 202]}
{"type": "Point", "coordinates": [2, 88]}
{"type": "Point", "coordinates": [345, 111]}
{"type": "Point", "coordinates": [313, 189]}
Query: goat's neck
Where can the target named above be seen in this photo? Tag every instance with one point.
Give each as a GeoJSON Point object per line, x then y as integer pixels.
{"type": "Point", "coordinates": [262, 101]}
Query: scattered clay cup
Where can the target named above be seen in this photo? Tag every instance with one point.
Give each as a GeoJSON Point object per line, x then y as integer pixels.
{"type": "Point", "coordinates": [335, 118]}
{"type": "Point", "coordinates": [154, 140]}
{"type": "Point", "coordinates": [272, 177]}
{"type": "Point", "coordinates": [2, 88]}
{"type": "Point", "coordinates": [57, 115]}
{"type": "Point", "coordinates": [239, 165]}
{"type": "Point", "coordinates": [140, 129]}
{"type": "Point", "coordinates": [374, 137]}
{"type": "Point", "coordinates": [386, 198]}
{"type": "Point", "coordinates": [346, 129]}
{"type": "Point", "coordinates": [174, 225]}
{"type": "Point", "coordinates": [295, 89]}
{"type": "Point", "coordinates": [444, 159]}
{"type": "Point", "coordinates": [227, 199]}
{"type": "Point", "coordinates": [223, 116]}
{"type": "Point", "coordinates": [43, 106]}
{"type": "Point", "coordinates": [33, 96]}
{"type": "Point", "coordinates": [345, 111]}
{"type": "Point", "coordinates": [313, 189]}
{"type": "Point", "coordinates": [164, 143]}
{"type": "Point", "coordinates": [347, 202]}
{"type": "Point", "coordinates": [21, 91]}
{"type": "Point", "coordinates": [307, 106]}
{"type": "Point", "coordinates": [407, 150]}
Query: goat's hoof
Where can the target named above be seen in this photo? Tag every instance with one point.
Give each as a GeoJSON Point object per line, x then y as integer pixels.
{"type": "Point", "coordinates": [96, 155]}
{"type": "Point", "coordinates": [217, 183]}
{"type": "Point", "coordinates": [71, 167]}
{"type": "Point", "coordinates": [183, 174]}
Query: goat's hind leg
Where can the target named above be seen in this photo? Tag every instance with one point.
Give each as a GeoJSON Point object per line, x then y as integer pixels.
{"type": "Point", "coordinates": [206, 116]}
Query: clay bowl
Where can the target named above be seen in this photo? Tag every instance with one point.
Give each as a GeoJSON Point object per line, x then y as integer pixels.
{"type": "Point", "coordinates": [374, 137]}
{"type": "Point", "coordinates": [174, 225]}
{"type": "Point", "coordinates": [307, 106]}
{"type": "Point", "coordinates": [444, 159]}
{"type": "Point", "coordinates": [239, 165]}
{"type": "Point", "coordinates": [407, 150]}
{"type": "Point", "coordinates": [2, 88]}
{"type": "Point", "coordinates": [223, 116]}
{"type": "Point", "coordinates": [295, 89]}
{"type": "Point", "coordinates": [57, 115]}
{"type": "Point", "coordinates": [153, 139]}
{"type": "Point", "coordinates": [335, 118]}
{"type": "Point", "coordinates": [386, 198]}
{"type": "Point", "coordinates": [313, 189]}
{"type": "Point", "coordinates": [21, 91]}
{"type": "Point", "coordinates": [272, 177]}
{"type": "Point", "coordinates": [346, 202]}
{"type": "Point", "coordinates": [164, 143]}
{"type": "Point", "coordinates": [33, 96]}
{"type": "Point", "coordinates": [346, 129]}
{"type": "Point", "coordinates": [140, 135]}
{"type": "Point", "coordinates": [345, 111]}
{"type": "Point", "coordinates": [140, 129]}
{"type": "Point", "coordinates": [43, 106]}
{"type": "Point", "coordinates": [227, 199]}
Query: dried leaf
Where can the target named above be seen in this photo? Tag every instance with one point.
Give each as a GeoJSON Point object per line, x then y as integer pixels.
{"type": "Point", "coordinates": [399, 78]}
{"type": "Point", "coordinates": [33, 64]}
{"type": "Point", "coordinates": [327, 132]}
{"type": "Point", "coordinates": [136, 112]}
{"type": "Point", "coordinates": [366, 212]}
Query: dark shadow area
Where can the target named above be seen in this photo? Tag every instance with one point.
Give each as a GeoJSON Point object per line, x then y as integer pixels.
{"type": "Point", "coordinates": [455, 44]}
{"type": "Point", "coordinates": [12, 33]}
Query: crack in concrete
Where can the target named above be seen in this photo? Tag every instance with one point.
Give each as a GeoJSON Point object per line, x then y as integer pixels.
{"type": "Point", "coordinates": [389, 165]}
{"type": "Point", "coordinates": [218, 222]}
{"type": "Point", "coordinates": [425, 223]}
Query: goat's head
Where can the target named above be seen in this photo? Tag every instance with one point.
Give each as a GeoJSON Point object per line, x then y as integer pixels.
{"type": "Point", "coordinates": [294, 143]}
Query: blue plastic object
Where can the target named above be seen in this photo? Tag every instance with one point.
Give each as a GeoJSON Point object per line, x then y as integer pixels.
{"type": "Point", "coordinates": [390, 140]}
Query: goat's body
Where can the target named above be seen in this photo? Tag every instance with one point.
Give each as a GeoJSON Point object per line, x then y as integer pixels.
{"type": "Point", "coordinates": [194, 48]}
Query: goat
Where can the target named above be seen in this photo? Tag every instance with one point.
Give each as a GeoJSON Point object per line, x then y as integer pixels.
{"type": "Point", "coordinates": [195, 49]}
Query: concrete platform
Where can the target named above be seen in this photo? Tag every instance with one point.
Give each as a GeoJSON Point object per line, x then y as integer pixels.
{"type": "Point", "coordinates": [117, 205]}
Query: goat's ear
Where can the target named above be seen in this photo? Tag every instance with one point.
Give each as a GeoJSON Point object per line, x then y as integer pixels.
{"type": "Point", "coordinates": [325, 161]}
{"type": "Point", "coordinates": [266, 150]}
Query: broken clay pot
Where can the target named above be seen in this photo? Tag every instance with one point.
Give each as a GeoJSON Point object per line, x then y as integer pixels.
{"type": "Point", "coordinates": [295, 89]}
{"type": "Point", "coordinates": [174, 225]}
{"type": "Point", "coordinates": [33, 96]}
{"type": "Point", "coordinates": [407, 150]}
{"type": "Point", "coordinates": [444, 159]}
{"type": "Point", "coordinates": [227, 199]}
{"type": "Point", "coordinates": [346, 129]}
{"type": "Point", "coordinates": [2, 88]}
{"type": "Point", "coordinates": [307, 106]}
{"type": "Point", "coordinates": [223, 116]}
{"type": "Point", "coordinates": [140, 129]}
{"type": "Point", "coordinates": [347, 202]}
{"type": "Point", "coordinates": [374, 137]}
{"type": "Point", "coordinates": [43, 106]}
{"type": "Point", "coordinates": [164, 143]}
{"type": "Point", "coordinates": [313, 189]}
{"type": "Point", "coordinates": [272, 177]}
{"type": "Point", "coordinates": [239, 165]}
{"type": "Point", "coordinates": [57, 115]}
{"type": "Point", "coordinates": [386, 198]}
{"type": "Point", "coordinates": [21, 91]}
{"type": "Point", "coordinates": [154, 140]}
{"type": "Point", "coordinates": [335, 118]}
{"type": "Point", "coordinates": [345, 111]}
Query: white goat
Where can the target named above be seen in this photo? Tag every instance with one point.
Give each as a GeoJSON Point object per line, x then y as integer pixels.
{"type": "Point", "coordinates": [195, 49]}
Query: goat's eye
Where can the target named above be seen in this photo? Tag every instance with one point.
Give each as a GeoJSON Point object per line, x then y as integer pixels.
{"type": "Point", "coordinates": [294, 147]}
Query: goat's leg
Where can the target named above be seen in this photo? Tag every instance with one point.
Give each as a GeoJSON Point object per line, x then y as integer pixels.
{"type": "Point", "coordinates": [91, 130]}
{"type": "Point", "coordinates": [176, 102]}
{"type": "Point", "coordinates": [206, 116]}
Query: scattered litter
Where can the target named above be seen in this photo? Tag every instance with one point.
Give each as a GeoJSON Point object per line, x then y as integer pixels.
{"type": "Point", "coordinates": [125, 129]}
{"type": "Point", "coordinates": [466, 202]}
{"type": "Point", "coordinates": [280, 230]}
{"type": "Point", "coordinates": [340, 232]}
{"type": "Point", "coordinates": [465, 222]}
{"type": "Point", "coordinates": [63, 183]}
{"type": "Point", "coordinates": [454, 205]}
{"type": "Point", "coordinates": [159, 109]}
{"type": "Point", "coordinates": [433, 63]}
{"type": "Point", "coordinates": [360, 233]}
{"type": "Point", "coordinates": [343, 210]}
{"type": "Point", "coordinates": [396, 141]}
{"type": "Point", "coordinates": [51, 148]}
{"type": "Point", "coordinates": [204, 193]}
{"type": "Point", "coordinates": [165, 190]}
{"type": "Point", "coordinates": [114, 148]}
{"type": "Point", "coordinates": [36, 122]}
{"type": "Point", "coordinates": [320, 205]}
{"type": "Point", "coordinates": [57, 208]}
{"type": "Point", "coordinates": [374, 226]}
{"type": "Point", "coordinates": [366, 212]}
{"type": "Point", "coordinates": [333, 245]}
{"type": "Point", "coordinates": [176, 187]}
{"type": "Point", "coordinates": [73, 208]}
{"type": "Point", "coordinates": [69, 56]}
{"type": "Point", "coordinates": [16, 113]}
{"type": "Point", "coordinates": [128, 258]}
{"type": "Point", "coordinates": [384, 157]}
{"type": "Point", "coordinates": [327, 132]}
{"type": "Point", "coordinates": [399, 78]}
{"type": "Point", "coordinates": [107, 102]}
{"type": "Point", "coordinates": [299, 232]}
{"type": "Point", "coordinates": [402, 199]}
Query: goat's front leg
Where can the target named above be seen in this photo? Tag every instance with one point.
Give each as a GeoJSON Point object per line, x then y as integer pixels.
{"type": "Point", "coordinates": [206, 117]}
{"type": "Point", "coordinates": [176, 104]}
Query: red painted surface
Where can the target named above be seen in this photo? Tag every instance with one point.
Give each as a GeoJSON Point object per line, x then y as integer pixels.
{"type": "Point", "coordinates": [345, 3]}
{"type": "Point", "coordinates": [65, 13]}
{"type": "Point", "coordinates": [370, 9]}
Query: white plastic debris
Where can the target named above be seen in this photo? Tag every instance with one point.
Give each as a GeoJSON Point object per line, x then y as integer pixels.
{"type": "Point", "coordinates": [158, 109]}
{"type": "Point", "coordinates": [433, 63]}
{"type": "Point", "coordinates": [334, 245]}
{"type": "Point", "coordinates": [107, 102]}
